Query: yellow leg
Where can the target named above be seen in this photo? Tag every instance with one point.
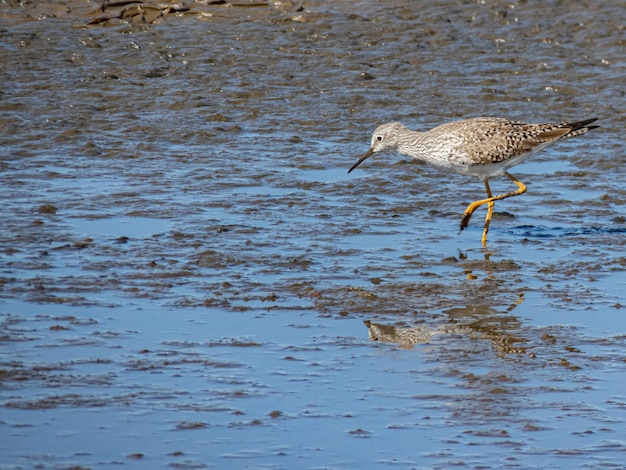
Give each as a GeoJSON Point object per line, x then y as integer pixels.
{"type": "Point", "coordinates": [467, 215]}
{"type": "Point", "coordinates": [490, 206]}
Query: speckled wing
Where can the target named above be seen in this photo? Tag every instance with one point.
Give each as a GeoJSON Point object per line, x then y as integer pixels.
{"type": "Point", "coordinates": [497, 140]}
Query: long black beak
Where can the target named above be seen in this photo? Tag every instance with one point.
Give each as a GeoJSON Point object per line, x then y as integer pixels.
{"type": "Point", "coordinates": [362, 159]}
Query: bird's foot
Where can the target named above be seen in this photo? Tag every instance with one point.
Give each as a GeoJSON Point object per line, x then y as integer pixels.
{"type": "Point", "coordinates": [465, 220]}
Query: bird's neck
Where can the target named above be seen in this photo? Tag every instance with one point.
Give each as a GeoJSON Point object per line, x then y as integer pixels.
{"type": "Point", "coordinates": [423, 147]}
{"type": "Point", "coordinates": [411, 143]}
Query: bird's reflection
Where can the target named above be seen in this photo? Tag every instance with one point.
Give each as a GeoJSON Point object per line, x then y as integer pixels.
{"type": "Point", "coordinates": [407, 338]}
{"type": "Point", "coordinates": [476, 321]}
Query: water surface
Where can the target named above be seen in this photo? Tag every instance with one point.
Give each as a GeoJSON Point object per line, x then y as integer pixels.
{"type": "Point", "coordinates": [186, 264]}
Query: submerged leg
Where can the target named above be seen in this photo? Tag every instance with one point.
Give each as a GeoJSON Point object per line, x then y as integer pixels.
{"type": "Point", "coordinates": [467, 215]}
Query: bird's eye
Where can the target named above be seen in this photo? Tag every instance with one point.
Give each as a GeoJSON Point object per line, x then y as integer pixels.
{"type": "Point", "coordinates": [379, 138]}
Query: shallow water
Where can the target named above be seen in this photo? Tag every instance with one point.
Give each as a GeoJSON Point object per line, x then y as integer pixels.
{"type": "Point", "coordinates": [186, 264]}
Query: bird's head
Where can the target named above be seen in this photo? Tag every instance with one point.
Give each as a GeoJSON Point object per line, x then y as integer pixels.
{"type": "Point", "coordinates": [385, 136]}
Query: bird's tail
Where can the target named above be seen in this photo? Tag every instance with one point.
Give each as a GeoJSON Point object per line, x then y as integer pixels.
{"type": "Point", "coordinates": [579, 127]}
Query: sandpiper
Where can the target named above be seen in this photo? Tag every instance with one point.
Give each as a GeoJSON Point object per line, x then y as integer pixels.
{"type": "Point", "coordinates": [482, 147]}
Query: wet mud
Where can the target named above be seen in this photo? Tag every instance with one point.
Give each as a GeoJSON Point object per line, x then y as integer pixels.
{"type": "Point", "coordinates": [186, 266]}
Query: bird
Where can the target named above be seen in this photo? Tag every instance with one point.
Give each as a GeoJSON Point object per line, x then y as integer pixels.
{"type": "Point", "coordinates": [483, 146]}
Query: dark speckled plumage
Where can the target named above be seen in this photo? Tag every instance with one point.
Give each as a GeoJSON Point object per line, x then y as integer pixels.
{"type": "Point", "coordinates": [482, 147]}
